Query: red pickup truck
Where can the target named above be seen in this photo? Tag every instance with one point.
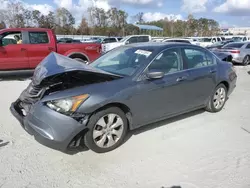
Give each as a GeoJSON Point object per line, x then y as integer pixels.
{"type": "Point", "coordinates": [24, 48]}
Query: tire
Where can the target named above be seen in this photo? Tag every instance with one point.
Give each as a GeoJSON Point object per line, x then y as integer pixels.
{"type": "Point", "coordinates": [246, 60]}
{"type": "Point", "coordinates": [211, 106]}
{"type": "Point", "coordinates": [100, 139]}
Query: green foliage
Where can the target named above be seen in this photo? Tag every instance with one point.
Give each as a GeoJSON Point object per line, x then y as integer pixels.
{"type": "Point", "coordinates": [101, 22]}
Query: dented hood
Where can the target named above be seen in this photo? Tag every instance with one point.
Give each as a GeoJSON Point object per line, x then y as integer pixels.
{"type": "Point", "coordinates": [55, 64]}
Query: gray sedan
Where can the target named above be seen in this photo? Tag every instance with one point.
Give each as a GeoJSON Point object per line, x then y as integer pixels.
{"type": "Point", "coordinates": [240, 52]}
{"type": "Point", "coordinates": [127, 88]}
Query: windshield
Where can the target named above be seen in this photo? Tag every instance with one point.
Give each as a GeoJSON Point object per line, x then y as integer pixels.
{"type": "Point", "coordinates": [124, 39]}
{"type": "Point", "coordinates": [123, 61]}
{"type": "Point", "coordinates": [234, 45]}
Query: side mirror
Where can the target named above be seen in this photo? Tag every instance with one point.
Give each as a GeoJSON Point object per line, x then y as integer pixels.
{"type": "Point", "coordinates": [152, 75]}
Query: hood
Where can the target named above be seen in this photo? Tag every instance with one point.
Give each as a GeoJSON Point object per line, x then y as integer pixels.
{"type": "Point", "coordinates": [55, 64]}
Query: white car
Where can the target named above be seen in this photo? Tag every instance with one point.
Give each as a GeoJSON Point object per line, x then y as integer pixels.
{"type": "Point", "coordinates": [184, 40]}
{"type": "Point", "coordinates": [208, 41]}
{"type": "Point", "coordinates": [126, 40]}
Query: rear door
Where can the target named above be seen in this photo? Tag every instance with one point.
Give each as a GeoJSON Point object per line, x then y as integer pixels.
{"type": "Point", "coordinates": [40, 45]}
{"type": "Point", "coordinates": [13, 53]}
{"type": "Point", "coordinates": [202, 69]}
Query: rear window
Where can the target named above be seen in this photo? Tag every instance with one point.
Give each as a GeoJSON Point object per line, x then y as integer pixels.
{"type": "Point", "coordinates": [234, 45]}
{"type": "Point", "coordinates": [38, 38]}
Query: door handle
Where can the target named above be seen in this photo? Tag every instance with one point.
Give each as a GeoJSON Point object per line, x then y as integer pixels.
{"type": "Point", "coordinates": [182, 78]}
{"type": "Point", "coordinates": [213, 71]}
{"type": "Point", "coordinates": [23, 49]}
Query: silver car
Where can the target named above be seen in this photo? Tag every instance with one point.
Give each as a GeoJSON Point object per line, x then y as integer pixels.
{"type": "Point", "coordinates": [240, 52]}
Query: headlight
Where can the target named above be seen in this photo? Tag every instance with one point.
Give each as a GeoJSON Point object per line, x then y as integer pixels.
{"type": "Point", "coordinates": [67, 105]}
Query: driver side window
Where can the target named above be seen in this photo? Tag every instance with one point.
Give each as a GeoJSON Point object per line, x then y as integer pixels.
{"type": "Point", "coordinates": [167, 61]}
{"type": "Point", "coordinates": [11, 38]}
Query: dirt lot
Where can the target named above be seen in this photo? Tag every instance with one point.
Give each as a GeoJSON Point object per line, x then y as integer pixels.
{"type": "Point", "coordinates": [198, 150]}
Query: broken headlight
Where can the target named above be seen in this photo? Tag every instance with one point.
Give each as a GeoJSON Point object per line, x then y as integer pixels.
{"type": "Point", "coordinates": [67, 105]}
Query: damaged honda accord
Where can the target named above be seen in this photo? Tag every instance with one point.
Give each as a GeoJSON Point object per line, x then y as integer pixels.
{"type": "Point", "coordinates": [68, 102]}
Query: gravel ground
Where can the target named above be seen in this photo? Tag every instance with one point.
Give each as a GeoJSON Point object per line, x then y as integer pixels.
{"type": "Point", "coordinates": [198, 150]}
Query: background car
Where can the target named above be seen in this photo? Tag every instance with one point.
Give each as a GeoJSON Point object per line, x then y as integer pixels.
{"type": "Point", "coordinates": [177, 40]}
{"type": "Point", "coordinates": [219, 45]}
{"type": "Point", "coordinates": [124, 89]}
{"type": "Point", "coordinates": [111, 39]}
{"type": "Point", "coordinates": [240, 52]}
{"type": "Point", "coordinates": [131, 39]}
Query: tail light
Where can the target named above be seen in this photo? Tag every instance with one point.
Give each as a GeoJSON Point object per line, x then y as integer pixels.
{"type": "Point", "coordinates": [235, 51]}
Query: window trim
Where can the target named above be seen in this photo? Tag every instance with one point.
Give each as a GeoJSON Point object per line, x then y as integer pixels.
{"type": "Point", "coordinates": [206, 53]}
{"type": "Point", "coordinates": [145, 70]}
{"type": "Point", "coordinates": [28, 34]}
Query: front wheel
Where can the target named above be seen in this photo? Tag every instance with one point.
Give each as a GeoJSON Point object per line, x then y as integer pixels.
{"type": "Point", "coordinates": [218, 99]}
{"type": "Point", "coordinates": [107, 130]}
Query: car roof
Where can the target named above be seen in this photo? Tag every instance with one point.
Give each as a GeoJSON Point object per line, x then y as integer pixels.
{"type": "Point", "coordinates": [177, 39]}
{"type": "Point", "coordinates": [160, 45]}
{"type": "Point", "coordinates": [25, 29]}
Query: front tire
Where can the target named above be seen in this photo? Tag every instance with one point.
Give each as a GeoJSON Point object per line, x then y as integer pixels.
{"type": "Point", "coordinates": [107, 130]}
{"type": "Point", "coordinates": [218, 99]}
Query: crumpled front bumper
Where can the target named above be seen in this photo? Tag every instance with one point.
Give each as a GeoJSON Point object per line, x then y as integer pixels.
{"type": "Point", "coordinates": [48, 127]}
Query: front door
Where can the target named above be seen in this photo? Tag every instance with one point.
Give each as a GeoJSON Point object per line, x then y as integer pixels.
{"type": "Point", "coordinates": [13, 53]}
{"type": "Point", "coordinates": [158, 98]}
{"type": "Point", "coordinates": [201, 67]}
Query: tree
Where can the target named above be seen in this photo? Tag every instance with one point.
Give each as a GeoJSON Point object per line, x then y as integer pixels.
{"type": "Point", "coordinates": [139, 18]}
{"type": "Point", "coordinates": [83, 27]}
{"type": "Point", "coordinates": [99, 17]}
{"type": "Point", "coordinates": [2, 25]}
{"type": "Point", "coordinates": [36, 15]}
{"type": "Point", "coordinates": [13, 15]}
{"type": "Point", "coordinates": [64, 21]}
{"type": "Point", "coordinates": [28, 21]}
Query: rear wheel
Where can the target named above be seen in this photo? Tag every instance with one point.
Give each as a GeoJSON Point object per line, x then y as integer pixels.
{"type": "Point", "coordinates": [218, 99]}
{"type": "Point", "coordinates": [107, 130]}
{"type": "Point", "coordinates": [246, 60]}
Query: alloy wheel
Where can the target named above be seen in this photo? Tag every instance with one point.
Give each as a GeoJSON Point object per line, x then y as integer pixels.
{"type": "Point", "coordinates": [108, 130]}
{"type": "Point", "coordinates": [219, 98]}
{"type": "Point", "coordinates": [246, 60]}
